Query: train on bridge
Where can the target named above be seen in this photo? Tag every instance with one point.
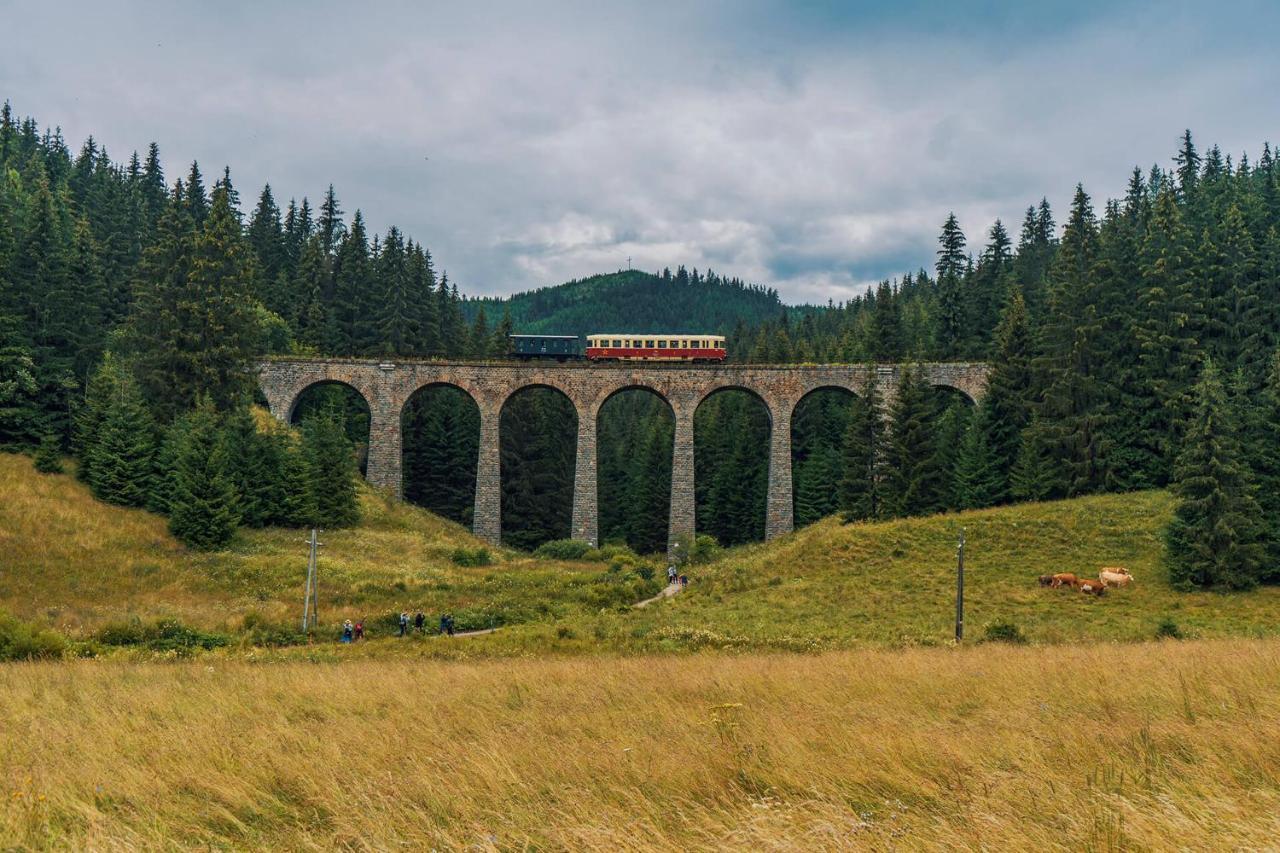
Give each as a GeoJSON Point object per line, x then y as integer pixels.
{"type": "Point", "coordinates": [621, 346]}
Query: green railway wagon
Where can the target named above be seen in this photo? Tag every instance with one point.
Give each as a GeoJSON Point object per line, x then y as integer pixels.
{"type": "Point", "coordinates": [559, 347]}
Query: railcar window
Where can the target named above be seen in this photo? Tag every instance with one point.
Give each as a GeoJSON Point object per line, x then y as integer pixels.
{"type": "Point", "coordinates": [662, 344]}
{"type": "Point", "coordinates": [649, 343]}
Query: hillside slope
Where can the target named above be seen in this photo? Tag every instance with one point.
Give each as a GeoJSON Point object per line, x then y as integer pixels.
{"type": "Point", "coordinates": [69, 561]}
{"type": "Point", "coordinates": [75, 563]}
{"type": "Point", "coordinates": [890, 582]}
{"type": "Point", "coordinates": [640, 301]}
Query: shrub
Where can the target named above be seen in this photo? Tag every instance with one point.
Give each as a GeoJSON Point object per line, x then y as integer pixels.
{"type": "Point", "coordinates": [471, 557]}
{"type": "Point", "coordinates": [22, 641]}
{"type": "Point", "coordinates": [705, 549]}
{"type": "Point", "coordinates": [1003, 631]}
{"type": "Point", "coordinates": [563, 549]}
{"type": "Point", "coordinates": [1168, 628]}
{"type": "Point", "coordinates": [564, 632]}
{"type": "Point", "coordinates": [48, 458]}
{"type": "Point", "coordinates": [162, 636]}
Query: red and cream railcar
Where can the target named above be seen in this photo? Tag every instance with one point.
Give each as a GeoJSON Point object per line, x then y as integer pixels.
{"type": "Point", "coordinates": [625, 346]}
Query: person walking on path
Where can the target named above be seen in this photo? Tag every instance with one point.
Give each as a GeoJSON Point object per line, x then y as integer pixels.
{"type": "Point", "coordinates": [360, 630]}
{"type": "Point", "coordinates": [671, 575]}
{"type": "Point", "coordinates": [448, 623]}
{"type": "Point", "coordinates": [348, 631]}
{"type": "Point", "coordinates": [684, 581]}
{"type": "Point", "coordinates": [404, 623]}
{"type": "Point", "coordinates": [419, 621]}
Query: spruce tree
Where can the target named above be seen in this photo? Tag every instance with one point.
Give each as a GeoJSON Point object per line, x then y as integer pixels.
{"type": "Point", "coordinates": [1035, 475]}
{"type": "Point", "coordinates": [1216, 536]}
{"type": "Point", "coordinates": [195, 328]}
{"type": "Point", "coordinates": [914, 483]}
{"type": "Point", "coordinates": [298, 507]}
{"type": "Point", "coordinates": [333, 470]}
{"type": "Point", "coordinates": [48, 456]}
{"type": "Point", "coordinates": [203, 501]}
{"type": "Point", "coordinates": [952, 271]}
{"type": "Point", "coordinates": [861, 452]}
{"type": "Point", "coordinates": [1006, 407]}
{"type": "Point", "coordinates": [977, 482]}
{"type": "Point", "coordinates": [19, 403]}
{"type": "Point", "coordinates": [122, 451]}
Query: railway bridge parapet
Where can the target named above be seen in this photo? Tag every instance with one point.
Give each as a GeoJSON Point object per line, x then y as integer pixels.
{"type": "Point", "coordinates": [387, 386]}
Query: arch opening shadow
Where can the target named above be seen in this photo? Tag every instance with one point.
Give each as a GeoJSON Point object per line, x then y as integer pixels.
{"type": "Point", "coordinates": [539, 433]}
{"type": "Point", "coordinates": [440, 430]}
{"type": "Point", "coordinates": [346, 404]}
{"type": "Point", "coordinates": [818, 426]}
{"type": "Point", "coordinates": [731, 465]}
{"type": "Point", "coordinates": [635, 439]}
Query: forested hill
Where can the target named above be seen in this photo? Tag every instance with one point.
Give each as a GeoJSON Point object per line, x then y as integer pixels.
{"type": "Point", "coordinates": [638, 301]}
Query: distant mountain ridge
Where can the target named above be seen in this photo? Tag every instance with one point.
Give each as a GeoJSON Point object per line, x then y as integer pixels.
{"type": "Point", "coordinates": [632, 300]}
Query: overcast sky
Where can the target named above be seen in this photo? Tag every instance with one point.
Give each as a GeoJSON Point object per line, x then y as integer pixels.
{"type": "Point", "coordinates": [815, 147]}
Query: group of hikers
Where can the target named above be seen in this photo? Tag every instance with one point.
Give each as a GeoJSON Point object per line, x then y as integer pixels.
{"type": "Point", "coordinates": [419, 623]}
{"type": "Point", "coordinates": [352, 632]}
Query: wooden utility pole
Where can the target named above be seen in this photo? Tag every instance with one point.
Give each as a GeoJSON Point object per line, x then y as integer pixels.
{"type": "Point", "coordinates": [960, 587]}
{"type": "Point", "coordinates": [311, 598]}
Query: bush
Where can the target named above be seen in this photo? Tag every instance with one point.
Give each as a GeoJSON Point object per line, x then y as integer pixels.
{"type": "Point", "coordinates": [1168, 629]}
{"type": "Point", "coordinates": [161, 636]}
{"type": "Point", "coordinates": [48, 458]}
{"type": "Point", "coordinates": [705, 549]}
{"type": "Point", "coordinates": [563, 549]}
{"type": "Point", "coordinates": [471, 557]}
{"type": "Point", "coordinates": [1003, 631]}
{"type": "Point", "coordinates": [22, 641]}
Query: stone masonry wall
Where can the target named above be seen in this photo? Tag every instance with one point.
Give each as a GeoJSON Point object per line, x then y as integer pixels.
{"type": "Point", "coordinates": [387, 386]}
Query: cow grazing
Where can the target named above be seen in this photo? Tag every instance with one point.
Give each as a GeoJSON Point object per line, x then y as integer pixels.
{"type": "Point", "coordinates": [1089, 586]}
{"type": "Point", "coordinates": [1046, 580]}
{"type": "Point", "coordinates": [1115, 576]}
{"type": "Point", "coordinates": [1062, 579]}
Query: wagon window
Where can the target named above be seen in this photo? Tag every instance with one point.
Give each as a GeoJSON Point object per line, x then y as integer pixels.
{"type": "Point", "coordinates": [662, 344]}
{"type": "Point", "coordinates": [649, 343]}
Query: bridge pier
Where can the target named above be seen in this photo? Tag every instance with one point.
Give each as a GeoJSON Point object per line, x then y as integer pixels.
{"type": "Point", "coordinates": [486, 519]}
{"type": "Point", "coordinates": [680, 527]}
{"type": "Point", "coordinates": [586, 519]}
{"type": "Point", "coordinates": [386, 443]}
{"type": "Point", "coordinates": [779, 512]}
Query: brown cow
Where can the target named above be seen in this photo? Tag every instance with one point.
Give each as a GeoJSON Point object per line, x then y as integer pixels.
{"type": "Point", "coordinates": [1063, 579]}
{"type": "Point", "coordinates": [1089, 586]}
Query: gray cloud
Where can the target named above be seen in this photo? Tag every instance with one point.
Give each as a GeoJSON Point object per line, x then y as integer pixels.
{"type": "Point", "coordinates": [815, 152]}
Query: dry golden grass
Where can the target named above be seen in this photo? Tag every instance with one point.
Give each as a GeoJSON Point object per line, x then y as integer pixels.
{"type": "Point", "coordinates": [75, 563]}
{"type": "Point", "coordinates": [1160, 746]}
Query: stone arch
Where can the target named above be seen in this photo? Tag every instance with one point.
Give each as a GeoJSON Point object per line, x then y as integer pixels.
{"type": "Point", "coordinates": [724, 455]}
{"type": "Point", "coordinates": [362, 435]}
{"type": "Point", "coordinates": [504, 395]}
{"type": "Point", "coordinates": [958, 389]}
{"type": "Point", "coordinates": [819, 421]}
{"type": "Point", "coordinates": [635, 510]}
{"type": "Point", "coordinates": [546, 513]}
{"type": "Point", "coordinates": [439, 449]}
{"type": "Point", "coordinates": [614, 390]}
{"type": "Point", "coordinates": [289, 406]}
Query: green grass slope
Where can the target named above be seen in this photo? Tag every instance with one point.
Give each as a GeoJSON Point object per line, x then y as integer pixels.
{"type": "Point", "coordinates": [834, 585]}
{"type": "Point", "coordinates": [75, 563]}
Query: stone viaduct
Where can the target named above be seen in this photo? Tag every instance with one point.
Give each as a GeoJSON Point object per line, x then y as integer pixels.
{"type": "Point", "coordinates": [387, 386]}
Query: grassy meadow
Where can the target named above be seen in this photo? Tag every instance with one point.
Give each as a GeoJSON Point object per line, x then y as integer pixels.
{"type": "Point", "coordinates": [75, 564]}
{"type": "Point", "coordinates": [1105, 747]}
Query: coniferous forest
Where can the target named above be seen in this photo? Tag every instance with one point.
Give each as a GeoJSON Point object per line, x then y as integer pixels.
{"type": "Point", "coordinates": [1133, 346]}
